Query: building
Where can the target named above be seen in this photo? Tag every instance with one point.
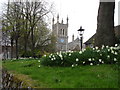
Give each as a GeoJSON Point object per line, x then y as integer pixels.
{"type": "Point", "coordinates": [90, 42]}
{"type": "Point", "coordinates": [5, 44]}
{"type": "Point", "coordinates": [74, 45]}
{"type": "Point", "coordinates": [60, 30]}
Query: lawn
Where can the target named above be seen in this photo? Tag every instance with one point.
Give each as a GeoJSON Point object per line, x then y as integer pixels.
{"type": "Point", "coordinates": [96, 76]}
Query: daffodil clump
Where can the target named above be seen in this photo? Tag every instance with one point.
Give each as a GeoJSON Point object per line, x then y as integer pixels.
{"type": "Point", "coordinates": [89, 56]}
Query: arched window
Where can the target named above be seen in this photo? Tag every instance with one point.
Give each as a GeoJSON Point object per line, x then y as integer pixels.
{"type": "Point", "coordinates": [60, 31]}
{"type": "Point", "coordinates": [63, 32]}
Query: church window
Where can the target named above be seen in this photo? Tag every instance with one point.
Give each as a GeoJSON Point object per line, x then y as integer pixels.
{"type": "Point", "coordinates": [63, 32]}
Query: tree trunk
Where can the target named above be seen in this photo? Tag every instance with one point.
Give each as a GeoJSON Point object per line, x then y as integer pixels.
{"type": "Point", "coordinates": [11, 48]}
{"type": "Point", "coordinates": [105, 25]}
{"type": "Point", "coordinates": [16, 42]}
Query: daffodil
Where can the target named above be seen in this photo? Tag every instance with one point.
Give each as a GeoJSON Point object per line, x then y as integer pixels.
{"type": "Point", "coordinates": [84, 62]}
{"type": "Point", "coordinates": [80, 52]}
{"type": "Point", "coordinates": [52, 59]}
{"type": "Point", "coordinates": [108, 50]}
{"type": "Point", "coordinates": [44, 55]}
{"type": "Point", "coordinates": [91, 64]}
{"type": "Point", "coordinates": [100, 60]}
{"type": "Point", "coordinates": [100, 54]}
{"type": "Point", "coordinates": [39, 66]}
{"type": "Point", "coordinates": [89, 59]}
{"type": "Point", "coordinates": [107, 46]}
{"type": "Point", "coordinates": [116, 45]}
{"type": "Point", "coordinates": [69, 54]}
{"type": "Point", "coordinates": [96, 48]}
{"type": "Point", "coordinates": [103, 46]}
{"type": "Point", "coordinates": [77, 59]}
{"type": "Point", "coordinates": [72, 65]}
{"type": "Point", "coordinates": [115, 59]}
{"type": "Point", "coordinates": [76, 64]}
{"type": "Point", "coordinates": [108, 56]}
{"type": "Point", "coordinates": [116, 53]}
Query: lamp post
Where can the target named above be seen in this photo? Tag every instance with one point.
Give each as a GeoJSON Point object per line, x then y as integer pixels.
{"type": "Point", "coordinates": [81, 31]}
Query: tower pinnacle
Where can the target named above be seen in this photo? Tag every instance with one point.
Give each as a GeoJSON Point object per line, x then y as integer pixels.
{"type": "Point", "coordinates": [67, 19]}
{"type": "Point", "coordinates": [53, 20]}
{"type": "Point", "coordinates": [58, 18]}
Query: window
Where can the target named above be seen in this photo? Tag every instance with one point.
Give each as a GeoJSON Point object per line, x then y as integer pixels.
{"type": "Point", "coordinates": [63, 32]}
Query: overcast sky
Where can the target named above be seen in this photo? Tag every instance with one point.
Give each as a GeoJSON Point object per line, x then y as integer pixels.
{"type": "Point", "coordinates": [80, 13]}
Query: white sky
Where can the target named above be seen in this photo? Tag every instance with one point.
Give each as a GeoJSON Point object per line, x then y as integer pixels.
{"type": "Point", "coordinates": [81, 13]}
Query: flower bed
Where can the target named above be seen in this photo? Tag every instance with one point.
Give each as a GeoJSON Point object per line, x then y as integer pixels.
{"type": "Point", "coordinates": [89, 56]}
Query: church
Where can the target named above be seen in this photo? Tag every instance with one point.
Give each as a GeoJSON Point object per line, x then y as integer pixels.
{"type": "Point", "coordinates": [60, 31]}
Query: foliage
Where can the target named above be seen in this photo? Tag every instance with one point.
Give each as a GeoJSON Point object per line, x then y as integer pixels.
{"type": "Point", "coordinates": [25, 25]}
{"type": "Point", "coordinates": [89, 56]}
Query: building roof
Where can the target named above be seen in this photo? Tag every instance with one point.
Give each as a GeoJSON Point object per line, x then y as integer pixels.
{"type": "Point", "coordinates": [117, 34]}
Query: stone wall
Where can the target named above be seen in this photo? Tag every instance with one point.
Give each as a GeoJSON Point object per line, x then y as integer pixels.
{"type": "Point", "coordinates": [10, 81]}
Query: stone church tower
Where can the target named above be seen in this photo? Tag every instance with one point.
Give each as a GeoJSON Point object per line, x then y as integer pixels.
{"type": "Point", "coordinates": [60, 30]}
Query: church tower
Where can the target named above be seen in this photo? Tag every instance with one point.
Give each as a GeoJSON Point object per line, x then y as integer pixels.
{"type": "Point", "coordinates": [60, 30]}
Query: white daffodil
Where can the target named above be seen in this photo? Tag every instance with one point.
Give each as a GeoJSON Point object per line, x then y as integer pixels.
{"type": "Point", "coordinates": [98, 64]}
{"type": "Point", "coordinates": [108, 56]}
{"type": "Point", "coordinates": [107, 46]}
{"type": "Point", "coordinates": [115, 59]}
{"type": "Point", "coordinates": [80, 52]}
{"type": "Point", "coordinates": [44, 55]}
{"type": "Point", "coordinates": [84, 62]}
{"type": "Point", "coordinates": [116, 45]}
{"type": "Point", "coordinates": [116, 53]}
{"type": "Point", "coordinates": [69, 54]}
{"type": "Point", "coordinates": [72, 65]}
{"type": "Point", "coordinates": [57, 53]}
{"type": "Point", "coordinates": [108, 50]}
{"type": "Point", "coordinates": [39, 66]}
{"type": "Point", "coordinates": [96, 48]}
{"type": "Point", "coordinates": [60, 55]}
{"type": "Point", "coordinates": [38, 60]}
{"type": "Point", "coordinates": [91, 64]}
{"type": "Point", "coordinates": [76, 64]}
{"type": "Point", "coordinates": [89, 59]}
{"type": "Point", "coordinates": [100, 60]}
{"type": "Point", "coordinates": [111, 48]}
{"type": "Point", "coordinates": [93, 59]}
{"type": "Point", "coordinates": [103, 46]}
{"type": "Point", "coordinates": [77, 59]}
{"type": "Point", "coordinates": [93, 48]}
{"type": "Point", "coordinates": [49, 56]}
{"type": "Point", "coordinates": [112, 52]}
{"type": "Point", "coordinates": [100, 54]}
{"type": "Point", "coordinates": [52, 59]}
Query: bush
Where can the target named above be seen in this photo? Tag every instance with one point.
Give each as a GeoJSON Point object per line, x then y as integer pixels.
{"type": "Point", "coordinates": [89, 56]}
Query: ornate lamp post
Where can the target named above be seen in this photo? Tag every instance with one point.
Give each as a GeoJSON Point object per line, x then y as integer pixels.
{"type": "Point", "coordinates": [81, 31]}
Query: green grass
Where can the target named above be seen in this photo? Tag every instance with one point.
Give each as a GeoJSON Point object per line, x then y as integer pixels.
{"type": "Point", "coordinates": [102, 76]}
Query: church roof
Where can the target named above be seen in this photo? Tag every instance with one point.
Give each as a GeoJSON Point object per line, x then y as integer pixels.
{"type": "Point", "coordinates": [76, 48]}
{"type": "Point", "coordinates": [75, 41]}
